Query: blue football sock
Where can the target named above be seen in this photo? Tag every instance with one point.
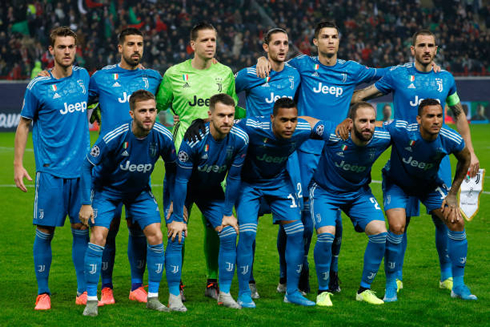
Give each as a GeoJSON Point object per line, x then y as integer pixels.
{"type": "Point", "coordinates": [42, 260]}
{"type": "Point", "coordinates": [108, 258]}
{"type": "Point", "coordinates": [392, 256]}
{"type": "Point", "coordinates": [137, 256]}
{"type": "Point", "coordinates": [339, 229]}
{"type": "Point", "coordinates": [458, 250]}
{"type": "Point", "coordinates": [294, 254]}
{"type": "Point", "coordinates": [281, 249]}
{"type": "Point", "coordinates": [79, 247]}
{"type": "Point", "coordinates": [155, 259]}
{"type": "Point", "coordinates": [227, 257]}
{"type": "Point", "coordinates": [442, 247]}
{"type": "Point", "coordinates": [173, 264]}
{"type": "Point", "coordinates": [252, 279]}
{"type": "Point", "coordinates": [373, 256]}
{"type": "Point", "coordinates": [245, 256]}
{"type": "Point", "coordinates": [93, 262]}
{"type": "Point", "coordinates": [399, 271]}
{"type": "Point", "coordinates": [323, 258]}
{"type": "Point", "coordinates": [308, 233]}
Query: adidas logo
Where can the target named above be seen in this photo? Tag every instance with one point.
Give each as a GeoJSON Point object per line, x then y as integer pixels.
{"type": "Point", "coordinates": [315, 74]}
{"type": "Point", "coordinates": [125, 154]}
{"type": "Point", "coordinates": [56, 96]}
{"type": "Point", "coordinates": [340, 154]}
{"type": "Point", "coordinates": [409, 149]}
{"type": "Point", "coordinates": [205, 156]}
{"type": "Point", "coordinates": [411, 86]}
{"type": "Point", "coordinates": [116, 85]}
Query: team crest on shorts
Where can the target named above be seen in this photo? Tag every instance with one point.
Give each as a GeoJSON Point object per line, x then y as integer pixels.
{"type": "Point", "coordinates": [153, 149]}
{"type": "Point", "coordinates": [95, 152]}
{"type": "Point", "coordinates": [41, 214]}
{"type": "Point", "coordinates": [183, 156]}
{"type": "Point", "coordinates": [95, 213]}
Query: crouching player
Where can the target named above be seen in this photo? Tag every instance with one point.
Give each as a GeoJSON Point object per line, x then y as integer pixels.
{"type": "Point", "coordinates": [203, 163]}
{"type": "Point", "coordinates": [264, 177]}
{"type": "Point", "coordinates": [124, 159]}
{"type": "Point", "coordinates": [341, 181]}
{"type": "Point", "coordinates": [416, 155]}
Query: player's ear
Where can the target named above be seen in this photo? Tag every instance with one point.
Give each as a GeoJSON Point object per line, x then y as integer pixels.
{"type": "Point", "coordinates": [193, 45]}
{"type": "Point", "coordinates": [209, 113]}
{"type": "Point", "coordinates": [315, 42]}
{"type": "Point", "coordinates": [419, 119]}
{"type": "Point", "coordinates": [265, 46]}
{"type": "Point", "coordinates": [119, 48]}
{"type": "Point", "coordinates": [131, 113]}
{"type": "Point", "coordinates": [412, 50]}
{"type": "Point", "coordinates": [51, 50]}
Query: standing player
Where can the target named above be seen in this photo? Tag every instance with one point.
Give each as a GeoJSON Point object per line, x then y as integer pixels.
{"type": "Point", "coordinates": [111, 87]}
{"type": "Point", "coordinates": [187, 88]}
{"type": "Point", "coordinates": [202, 166]}
{"type": "Point", "coordinates": [261, 94]}
{"type": "Point", "coordinates": [57, 106]}
{"type": "Point", "coordinates": [342, 182]}
{"type": "Point", "coordinates": [326, 83]}
{"type": "Point", "coordinates": [125, 158]}
{"type": "Point", "coordinates": [416, 155]}
{"type": "Point", "coordinates": [410, 84]}
{"type": "Point", "coordinates": [272, 140]}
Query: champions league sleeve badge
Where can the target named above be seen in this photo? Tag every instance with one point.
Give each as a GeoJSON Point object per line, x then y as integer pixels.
{"type": "Point", "coordinates": [469, 195]}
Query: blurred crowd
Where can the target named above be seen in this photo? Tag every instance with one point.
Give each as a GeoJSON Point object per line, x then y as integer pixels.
{"type": "Point", "coordinates": [374, 33]}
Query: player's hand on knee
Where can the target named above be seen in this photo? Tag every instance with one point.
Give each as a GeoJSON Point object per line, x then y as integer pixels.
{"type": "Point", "coordinates": [176, 228]}
{"type": "Point", "coordinates": [263, 67]}
{"type": "Point", "coordinates": [186, 215]}
{"type": "Point", "coordinates": [86, 213]}
{"type": "Point", "coordinates": [450, 209]}
{"type": "Point", "coordinates": [344, 128]}
{"type": "Point", "coordinates": [229, 221]}
{"type": "Point", "coordinates": [196, 131]}
{"type": "Point", "coordinates": [19, 174]}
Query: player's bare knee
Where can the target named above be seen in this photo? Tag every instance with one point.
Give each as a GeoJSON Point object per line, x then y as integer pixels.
{"type": "Point", "coordinates": [97, 238]}
{"type": "Point", "coordinates": [397, 228]}
{"type": "Point", "coordinates": [46, 229]}
{"type": "Point", "coordinates": [326, 229]}
{"type": "Point", "coordinates": [375, 227]}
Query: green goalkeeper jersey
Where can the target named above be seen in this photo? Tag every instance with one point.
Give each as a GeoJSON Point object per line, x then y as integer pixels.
{"type": "Point", "coordinates": [186, 90]}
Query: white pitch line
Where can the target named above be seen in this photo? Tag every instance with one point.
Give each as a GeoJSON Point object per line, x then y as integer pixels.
{"type": "Point", "coordinates": [8, 149]}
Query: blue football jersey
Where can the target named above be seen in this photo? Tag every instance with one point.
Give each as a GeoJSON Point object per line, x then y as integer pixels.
{"type": "Point", "coordinates": [126, 162]}
{"type": "Point", "coordinates": [204, 164]}
{"type": "Point", "coordinates": [267, 155]}
{"type": "Point", "coordinates": [345, 166]}
{"type": "Point", "coordinates": [326, 91]}
{"type": "Point", "coordinates": [113, 86]}
{"type": "Point", "coordinates": [414, 162]}
{"type": "Point", "coordinates": [58, 110]}
{"type": "Point", "coordinates": [262, 93]}
{"type": "Point", "coordinates": [410, 87]}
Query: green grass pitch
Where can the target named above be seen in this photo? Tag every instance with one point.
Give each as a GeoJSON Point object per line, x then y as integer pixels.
{"type": "Point", "coordinates": [421, 302]}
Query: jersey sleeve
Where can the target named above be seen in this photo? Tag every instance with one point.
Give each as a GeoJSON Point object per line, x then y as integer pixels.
{"type": "Point", "coordinates": [93, 90]}
{"type": "Point", "coordinates": [452, 85]}
{"type": "Point", "coordinates": [295, 62]}
{"type": "Point", "coordinates": [165, 93]}
{"type": "Point", "coordinates": [367, 74]}
{"type": "Point", "coordinates": [183, 175]}
{"type": "Point", "coordinates": [385, 85]}
{"type": "Point", "coordinates": [233, 179]}
{"type": "Point", "coordinates": [322, 130]}
{"type": "Point", "coordinates": [231, 87]}
{"type": "Point", "coordinates": [241, 81]}
{"type": "Point", "coordinates": [92, 159]}
{"type": "Point", "coordinates": [169, 157]}
{"type": "Point", "coordinates": [31, 105]}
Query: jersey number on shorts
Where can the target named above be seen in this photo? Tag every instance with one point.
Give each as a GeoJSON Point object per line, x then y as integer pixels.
{"type": "Point", "coordinates": [376, 205]}
{"type": "Point", "coordinates": [293, 202]}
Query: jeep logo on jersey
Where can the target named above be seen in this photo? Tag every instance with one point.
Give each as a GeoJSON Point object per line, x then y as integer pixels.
{"type": "Point", "coordinates": [70, 108]}
{"type": "Point", "coordinates": [273, 98]}
{"type": "Point", "coordinates": [349, 167]}
{"type": "Point", "coordinates": [199, 102]}
{"type": "Point", "coordinates": [417, 164]}
{"type": "Point", "coordinates": [125, 98]}
{"type": "Point", "coordinates": [141, 168]}
{"type": "Point", "coordinates": [271, 159]}
{"type": "Point", "coordinates": [416, 101]}
{"type": "Point", "coordinates": [212, 168]}
{"type": "Point", "coordinates": [325, 89]}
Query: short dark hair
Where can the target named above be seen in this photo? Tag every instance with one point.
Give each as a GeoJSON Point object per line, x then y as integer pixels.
{"type": "Point", "coordinates": [61, 31]}
{"type": "Point", "coordinates": [423, 32]}
{"type": "Point", "coordinates": [283, 103]}
{"type": "Point", "coordinates": [325, 24]}
{"type": "Point", "coordinates": [128, 31]}
{"type": "Point", "coordinates": [221, 98]}
{"type": "Point", "coordinates": [427, 102]}
{"type": "Point", "coordinates": [272, 31]}
{"type": "Point", "coordinates": [358, 105]}
{"type": "Point", "coordinates": [138, 96]}
{"type": "Point", "coordinates": [199, 27]}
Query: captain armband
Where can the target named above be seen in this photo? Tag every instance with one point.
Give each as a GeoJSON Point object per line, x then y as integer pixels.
{"type": "Point", "coordinates": [453, 99]}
